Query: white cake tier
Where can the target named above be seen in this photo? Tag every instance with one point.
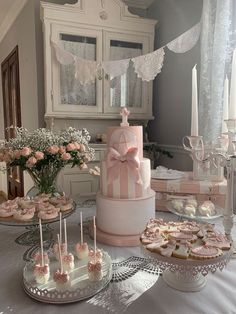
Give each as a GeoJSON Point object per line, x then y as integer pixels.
{"type": "Point", "coordinates": [124, 217]}
{"type": "Point", "coordinates": [122, 138]}
{"type": "Point", "coordinates": [125, 186]}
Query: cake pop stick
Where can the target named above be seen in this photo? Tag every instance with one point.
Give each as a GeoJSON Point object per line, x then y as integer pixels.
{"type": "Point", "coordinates": [41, 242]}
{"type": "Point", "coordinates": [95, 266]}
{"type": "Point", "coordinates": [68, 258]}
{"type": "Point", "coordinates": [94, 238]}
{"type": "Point", "coordinates": [81, 248]}
{"type": "Point", "coordinates": [81, 229]}
{"type": "Point", "coordinates": [60, 229]}
{"type": "Point", "coordinates": [59, 250]}
{"type": "Point", "coordinates": [65, 235]}
{"type": "Point", "coordinates": [41, 272]}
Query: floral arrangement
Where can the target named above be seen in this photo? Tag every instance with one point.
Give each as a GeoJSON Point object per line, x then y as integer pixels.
{"type": "Point", "coordinates": [43, 153]}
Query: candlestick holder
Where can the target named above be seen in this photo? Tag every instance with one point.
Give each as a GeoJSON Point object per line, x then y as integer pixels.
{"type": "Point", "coordinates": [220, 158]}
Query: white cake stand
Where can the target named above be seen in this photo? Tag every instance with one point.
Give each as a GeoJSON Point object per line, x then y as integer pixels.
{"type": "Point", "coordinates": [187, 275]}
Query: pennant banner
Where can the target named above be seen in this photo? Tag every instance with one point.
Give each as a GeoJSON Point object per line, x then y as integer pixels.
{"type": "Point", "coordinates": [186, 41]}
{"type": "Point", "coordinates": [115, 68]}
{"type": "Point", "coordinates": [146, 66]}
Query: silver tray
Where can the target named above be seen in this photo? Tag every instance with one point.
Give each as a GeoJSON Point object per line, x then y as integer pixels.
{"type": "Point", "coordinates": [81, 287]}
{"type": "Point", "coordinates": [218, 214]}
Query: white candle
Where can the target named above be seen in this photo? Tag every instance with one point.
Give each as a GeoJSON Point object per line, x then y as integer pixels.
{"type": "Point", "coordinates": [232, 105]}
{"type": "Point", "coordinates": [65, 235]}
{"type": "Point", "coordinates": [41, 241]}
{"type": "Point", "coordinates": [225, 106]}
{"type": "Point", "coordinates": [81, 228]}
{"type": "Point", "coordinates": [194, 118]}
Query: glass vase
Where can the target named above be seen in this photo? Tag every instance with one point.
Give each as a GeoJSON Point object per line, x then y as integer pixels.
{"type": "Point", "coordinates": [45, 180]}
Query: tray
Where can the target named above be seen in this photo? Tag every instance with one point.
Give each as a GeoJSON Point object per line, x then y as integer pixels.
{"type": "Point", "coordinates": [219, 213]}
{"type": "Point", "coordinates": [81, 287]}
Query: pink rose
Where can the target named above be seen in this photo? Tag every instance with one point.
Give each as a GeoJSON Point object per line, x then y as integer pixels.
{"type": "Point", "coordinates": [77, 145]}
{"type": "Point", "coordinates": [82, 148]}
{"type": "Point", "coordinates": [53, 149]}
{"type": "Point", "coordinates": [31, 162]}
{"type": "Point", "coordinates": [65, 156]}
{"type": "Point", "coordinates": [17, 154]}
{"type": "Point", "coordinates": [26, 151]}
{"type": "Point", "coordinates": [39, 155]}
{"type": "Point", "coordinates": [62, 149]}
{"type": "Point", "coordinates": [70, 147]}
{"type": "Point", "coordinates": [83, 167]}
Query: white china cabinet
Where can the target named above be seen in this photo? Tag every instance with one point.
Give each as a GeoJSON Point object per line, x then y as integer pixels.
{"type": "Point", "coordinates": [96, 30]}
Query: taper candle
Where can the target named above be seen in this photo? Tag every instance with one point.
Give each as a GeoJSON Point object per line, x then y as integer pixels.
{"type": "Point", "coordinates": [232, 104]}
{"type": "Point", "coordinates": [194, 116]}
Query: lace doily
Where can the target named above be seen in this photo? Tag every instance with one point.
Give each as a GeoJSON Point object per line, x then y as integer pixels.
{"type": "Point", "coordinates": [148, 66]}
{"type": "Point", "coordinates": [131, 278]}
{"type": "Point", "coordinates": [63, 57]}
{"type": "Point", "coordinates": [186, 41]}
{"type": "Point", "coordinates": [85, 70]}
{"type": "Point", "coordinates": [116, 68]}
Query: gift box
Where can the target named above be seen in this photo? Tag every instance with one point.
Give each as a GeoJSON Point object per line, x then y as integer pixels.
{"type": "Point", "coordinates": [186, 186]}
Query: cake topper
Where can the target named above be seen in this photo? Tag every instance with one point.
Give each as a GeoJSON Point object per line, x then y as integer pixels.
{"type": "Point", "coordinates": [124, 113]}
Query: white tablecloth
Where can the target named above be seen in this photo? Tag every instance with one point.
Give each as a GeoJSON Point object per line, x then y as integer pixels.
{"type": "Point", "coordinates": [219, 295]}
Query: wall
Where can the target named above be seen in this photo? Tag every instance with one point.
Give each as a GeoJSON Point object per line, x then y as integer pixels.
{"type": "Point", "coordinates": [22, 33]}
{"type": "Point", "coordinates": [172, 88]}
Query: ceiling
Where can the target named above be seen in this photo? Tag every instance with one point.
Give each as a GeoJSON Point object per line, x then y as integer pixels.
{"type": "Point", "coordinates": [5, 6]}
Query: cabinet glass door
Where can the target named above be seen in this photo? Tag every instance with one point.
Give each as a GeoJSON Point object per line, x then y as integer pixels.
{"type": "Point", "coordinates": [72, 92]}
{"type": "Point", "coordinates": [127, 90]}
{"type": "Point", "coordinates": [68, 92]}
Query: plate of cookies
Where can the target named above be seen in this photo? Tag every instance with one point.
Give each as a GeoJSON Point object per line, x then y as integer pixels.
{"type": "Point", "coordinates": [189, 207]}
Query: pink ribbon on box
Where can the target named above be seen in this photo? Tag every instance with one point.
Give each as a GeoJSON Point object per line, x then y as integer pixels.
{"type": "Point", "coordinates": [115, 160]}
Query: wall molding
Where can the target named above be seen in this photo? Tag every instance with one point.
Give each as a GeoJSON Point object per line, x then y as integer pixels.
{"type": "Point", "coordinates": [11, 17]}
{"type": "Point", "coordinates": [141, 4]}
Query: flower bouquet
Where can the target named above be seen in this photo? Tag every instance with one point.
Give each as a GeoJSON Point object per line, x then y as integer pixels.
{"type": "Point", "coordinates": [43, 153]}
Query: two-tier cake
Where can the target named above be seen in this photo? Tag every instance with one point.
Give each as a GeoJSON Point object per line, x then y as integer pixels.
{"type": "Point", "coordinates": [125, 201]}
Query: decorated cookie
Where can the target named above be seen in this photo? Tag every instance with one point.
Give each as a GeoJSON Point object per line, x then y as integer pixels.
{"type": "Point", "coordinates": [205, 252]}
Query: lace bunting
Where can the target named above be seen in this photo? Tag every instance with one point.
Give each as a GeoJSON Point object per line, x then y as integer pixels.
{"type": "Point", "coordinates": [148, 66]}
{"type": "Point", "coordinates": [116, 68]}
{"type": "Point", "coordinates": [85, 70]}
{"type": "Point", "coordinates": [186, 41]}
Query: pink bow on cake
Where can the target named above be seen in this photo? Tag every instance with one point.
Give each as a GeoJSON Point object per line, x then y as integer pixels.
{"type": "Point", "coordinates": [115, 160]}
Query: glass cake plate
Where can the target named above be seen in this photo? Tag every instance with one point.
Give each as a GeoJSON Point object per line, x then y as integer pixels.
{"type": "Point", "coordinates": [168, 175]}
{"type": "Point", "coordinates": [81, 287]}
{"type": "Point", "coordinates": [218, 213]}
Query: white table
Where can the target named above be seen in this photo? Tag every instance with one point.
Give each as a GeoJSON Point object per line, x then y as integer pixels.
{"type": "Point", "coordinates": [219, 295]}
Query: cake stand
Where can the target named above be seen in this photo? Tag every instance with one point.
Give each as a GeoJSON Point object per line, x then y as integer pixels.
{"type": "Point", "coordinates": [187, 275]}
{"type": "Point", "coordinates": [81, 287]}
{"type": "Point", "coordinates": [31, 237]}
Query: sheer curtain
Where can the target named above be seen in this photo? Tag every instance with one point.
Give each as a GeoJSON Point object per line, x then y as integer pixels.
{"type": "Point", "coordinates": [217, 44]}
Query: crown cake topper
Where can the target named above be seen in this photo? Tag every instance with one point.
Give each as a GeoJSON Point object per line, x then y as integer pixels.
{"type": "Point", "coordinates": [124, 113]}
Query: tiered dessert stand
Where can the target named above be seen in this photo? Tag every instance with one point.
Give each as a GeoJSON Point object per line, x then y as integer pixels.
{"type": "Point", "coordinates": [31, 237]}
{"type": "Point", "coordinates": [81, 288]}
{"type": "Point", "coordinates": [187, 275]}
